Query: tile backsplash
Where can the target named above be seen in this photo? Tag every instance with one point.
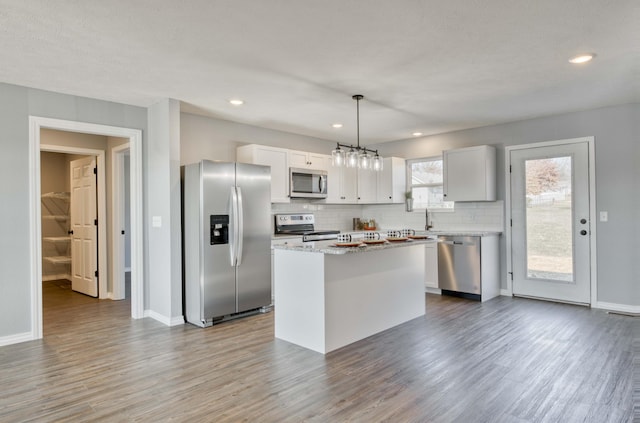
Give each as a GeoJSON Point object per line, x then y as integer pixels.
{"type": "Point", "coordinates": [480, 216]}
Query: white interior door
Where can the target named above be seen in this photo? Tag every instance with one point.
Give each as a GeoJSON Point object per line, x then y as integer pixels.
{"type": "Point", "coordinates": [84, 229]}
{"type": "Point", "coordinates": [550, 222]}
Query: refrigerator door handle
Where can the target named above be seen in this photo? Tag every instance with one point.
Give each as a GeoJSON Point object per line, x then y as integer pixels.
{"type": "Point", "coordinates": [240, 217]}
{"type": "Point", "coordinates": [233, 241]}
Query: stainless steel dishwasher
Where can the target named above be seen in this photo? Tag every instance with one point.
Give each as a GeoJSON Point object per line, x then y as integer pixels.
{"type": "Point", "coordinates": [459, 265]}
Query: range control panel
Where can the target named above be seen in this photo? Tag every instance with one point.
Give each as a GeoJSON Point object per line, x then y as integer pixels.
{"type": "Point", "coordinates": [294, 223]}
{"type": "Point", "coordinates": [294, 219]}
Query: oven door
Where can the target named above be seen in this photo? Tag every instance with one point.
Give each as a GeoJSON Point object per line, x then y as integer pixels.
{"type": "Point", "coordinates": [307, 183]}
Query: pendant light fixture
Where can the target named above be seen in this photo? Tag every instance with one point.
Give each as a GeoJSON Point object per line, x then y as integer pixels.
{"type": "Point", "coordinates": [356, 156]}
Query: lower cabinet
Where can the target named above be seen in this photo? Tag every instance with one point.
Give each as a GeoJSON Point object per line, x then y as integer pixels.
{"type": "Point", "coordinates": [431, 267]}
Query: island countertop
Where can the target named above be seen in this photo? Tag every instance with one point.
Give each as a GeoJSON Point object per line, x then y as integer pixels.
{"type": "Point", "coordinates": [329, 247]}
{"type": "Point", "coordinates": [327, 297]}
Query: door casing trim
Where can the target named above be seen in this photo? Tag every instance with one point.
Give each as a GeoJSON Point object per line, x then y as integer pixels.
{"type": "Point", "coordinates": [36, 123]}
{"type": "Point", "coordinates": [593, 273]}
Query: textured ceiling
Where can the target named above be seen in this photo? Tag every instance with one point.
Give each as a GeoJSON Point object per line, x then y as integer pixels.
{"type": "Point", "coordinates": [431, 66]}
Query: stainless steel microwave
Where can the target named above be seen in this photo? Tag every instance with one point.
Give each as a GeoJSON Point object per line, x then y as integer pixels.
{"type": "Point", "coordinates": [307, 183]}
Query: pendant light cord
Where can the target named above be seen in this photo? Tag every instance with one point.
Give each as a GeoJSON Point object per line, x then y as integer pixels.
{"type": "Point", "coordinates": [358, 120]}
{"type": "Point", "coordinates": [357, 98]}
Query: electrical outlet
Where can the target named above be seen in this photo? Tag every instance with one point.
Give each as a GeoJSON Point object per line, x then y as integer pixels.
{"type": "Point", "coordinates": [604, 216]}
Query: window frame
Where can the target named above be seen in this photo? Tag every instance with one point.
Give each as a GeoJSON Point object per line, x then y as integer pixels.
{"type": "Point", "coordinates": [410, 185]}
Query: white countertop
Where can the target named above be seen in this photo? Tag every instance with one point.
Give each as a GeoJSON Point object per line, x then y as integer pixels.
{"type": "Point", "coordinates": [328, 247]}
{"type": "Point", "coordinates": [462, 233]}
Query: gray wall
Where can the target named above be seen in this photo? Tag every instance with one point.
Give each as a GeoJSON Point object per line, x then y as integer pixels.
{"type": "Point", "coordinates": [616, 131]}
{"type": "Point", "coordinates": [16, 104]}
{"type": "Point", "coordinates": [216, 139]}
{"type": "Point", "coordinates": [165, 242]}
{"type": "Point", "coordinates": [617, 159]}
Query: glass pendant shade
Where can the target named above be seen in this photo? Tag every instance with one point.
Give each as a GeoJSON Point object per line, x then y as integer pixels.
{"type": "Point", "coordinates": [364, 161]}
{"type": "Point", "coordinates": [376, 163]}
{"type": "Point", "coordinates": [352, 158]}
{"type": "Point", "coordinates": [338, 157]}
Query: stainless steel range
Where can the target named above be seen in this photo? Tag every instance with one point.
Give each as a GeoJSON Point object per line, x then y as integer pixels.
{"type": "Point", "coordinates": [301, 224]}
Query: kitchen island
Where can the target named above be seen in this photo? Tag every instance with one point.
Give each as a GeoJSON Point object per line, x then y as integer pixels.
{"type": "Point", "coordinates": [327, 297]}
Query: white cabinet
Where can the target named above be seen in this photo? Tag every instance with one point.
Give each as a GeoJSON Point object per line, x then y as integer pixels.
{"type": "Point", "coordinates": [367, 186]}
{"type": "Point", "coordinates": [342, 185]}
{"type": "Point", "coordinates": [470, 174]}
{"type": "Point", "coordinates": [275, 157]}
{"type": "Point", "coordinates": [392, 181]}
{"type": "Point", "coordinates": [355, 186]}
{"type": "Point", "coordinates": [431, 266]}
{"type": "Point", "coordinates": [305, 160]}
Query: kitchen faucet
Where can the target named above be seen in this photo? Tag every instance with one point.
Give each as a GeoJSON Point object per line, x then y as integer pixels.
{"type": "Point", "coordinates": [426, 215]}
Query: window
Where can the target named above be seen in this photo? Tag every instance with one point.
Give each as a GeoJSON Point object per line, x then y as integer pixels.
{"type": "Point", "coordinates": [426, 183]}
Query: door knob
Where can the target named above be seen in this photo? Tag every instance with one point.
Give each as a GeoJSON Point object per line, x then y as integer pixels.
{"type": "Point", "coordinates": [583, 232]}
{"type": "Point", "coordinates": [583, 221]}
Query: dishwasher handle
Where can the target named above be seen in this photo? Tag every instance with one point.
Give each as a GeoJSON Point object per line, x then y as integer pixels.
{"type": "Point", "coordinates": [457, 242]}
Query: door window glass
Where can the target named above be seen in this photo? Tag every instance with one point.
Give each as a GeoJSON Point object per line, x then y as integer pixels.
{"type": "Point", "coordinates": [549, 217]}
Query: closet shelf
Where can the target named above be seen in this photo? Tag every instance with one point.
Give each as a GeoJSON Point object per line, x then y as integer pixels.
{"type": "Point", "coordinates": [58, 259]}
{"type": "Point", "coordinates": [57, 238]}
{"type": "Point", "coordinates": [56, 217]}
{"type": "Point", "coordinates": [65, 196]}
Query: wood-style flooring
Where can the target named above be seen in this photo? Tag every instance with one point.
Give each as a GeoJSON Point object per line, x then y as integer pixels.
{"type": "Point", "coordinates": [506, 360]}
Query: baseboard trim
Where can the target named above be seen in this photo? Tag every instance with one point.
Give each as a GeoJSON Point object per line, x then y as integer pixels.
{"type": "Point", "coordinates": [168, 321]}
{"type": "Point", "coordinates": [56, 277]}
{"type": "Point", "coordinates": [619, 308]}
{"type": "Point", "coordinates": [432, 290]}
{"type": "Point", "coordinates": [506, 293]}
{"type": "Point", "coordinates": [16, 339]}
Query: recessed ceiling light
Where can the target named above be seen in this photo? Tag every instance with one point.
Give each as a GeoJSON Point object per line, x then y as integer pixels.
{"type": "Point", "coordinates": [236, 102]}
{"type": "Point", "coordinates": [582, 58]}
{"type": "Point", "coordinates": [337, 125]}
{"type": "Point", "coordinates": [417, 134]}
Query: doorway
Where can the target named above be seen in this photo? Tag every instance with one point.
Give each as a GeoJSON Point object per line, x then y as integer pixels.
{"type": "Point", "coordinates": [134, 146]}
{"type": "Point", "coordinates": [69, 214]}
{"type": "Point", "coordinates": [551, 237]}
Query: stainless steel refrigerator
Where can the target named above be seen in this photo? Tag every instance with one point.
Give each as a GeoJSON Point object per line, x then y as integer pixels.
{"type": "Point", "coordinates": [226, 240]}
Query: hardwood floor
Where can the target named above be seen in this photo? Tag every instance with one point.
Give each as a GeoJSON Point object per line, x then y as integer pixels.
{"type": "Point", "coordinates": [507, 360]}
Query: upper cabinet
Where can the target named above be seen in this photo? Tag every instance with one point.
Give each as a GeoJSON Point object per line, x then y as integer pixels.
{"type": "Point", "coordinates": [342, 185]}
{"type": "Point", "coordinates": [470, 174]}
{"type": "Point", "coordinates": [367, 186]}
{"type": "Point", "coordinates": [351, 186]}
{"type": "Point", "coordinates": [392, 181]}
{"type": "Point", "coordinates": [305, 160]}
{"type": "Point", "coordinates": [269, 156]}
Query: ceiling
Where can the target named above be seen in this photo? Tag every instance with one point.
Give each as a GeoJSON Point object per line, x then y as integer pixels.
{"type": "Point", "coordinates": [431, 66]}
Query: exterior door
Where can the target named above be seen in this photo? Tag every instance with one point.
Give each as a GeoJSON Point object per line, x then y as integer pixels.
{"type": "Point", "coordinates": [84, 229]}
{"type": "Point", "coordinates": [550, 222]}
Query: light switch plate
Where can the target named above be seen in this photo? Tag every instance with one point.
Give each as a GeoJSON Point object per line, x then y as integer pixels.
{"type": "Point", "coordinates": [604, 216]}
{"type": "Point", "coordinates": [156, 221]}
